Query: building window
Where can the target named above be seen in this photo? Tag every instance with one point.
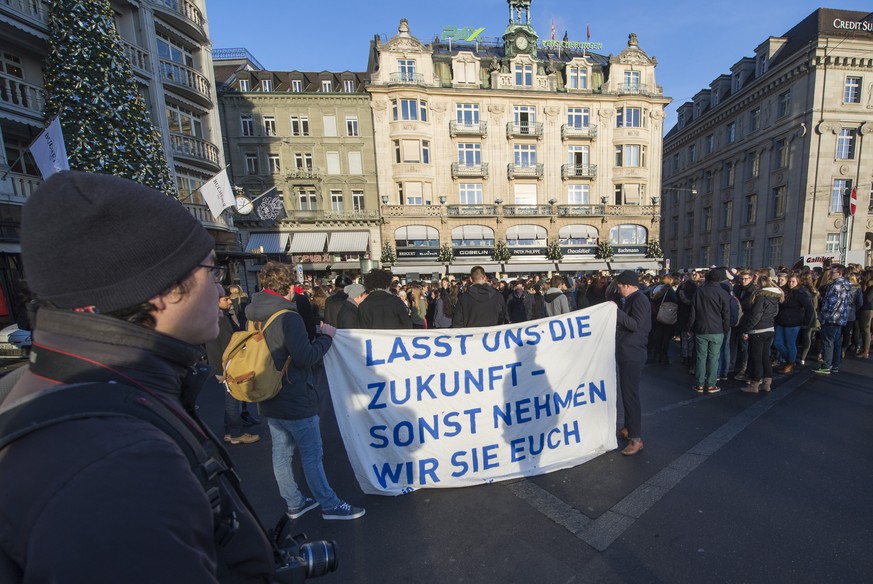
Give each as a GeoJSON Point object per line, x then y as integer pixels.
{"type": "Point", "coordinates": [425, 152]}
{"type": "Point", "coordinates": [266, 85]}
{"type": "Point", "coordinates": [523, 75]}
{"type": "Point", "coordinates": [307, 200]}
{"type": "Point", "coordinates": [832, 243]}
{"type": "Point", "coordinates": [774, 250]}
{"type": "Point", "coordinates": [175, 52]}
{"type": "Point", "coordinates": [578, 117]}
{"type": "Point", "coordinates": [247, 125]}
{"type": "Point", "coordinates": [181, 121]}
{"type": "Point", "coordinates": [578, 194]}
{"type": "Point", "coordinates": [349, 86]}
{"type": "Point", "coordinates": [299, 125]}
{"type": "Point", "coordinates": [632, 80]}
{"type": "Point", "coordinates": [783, 104]}
{"type": "Point", "coordinates": [674, 226]}
{"type": "Point", "coordinates": [333, 162]}
{"type": "Point", "coordinates": [710, 144]}
{"type": "Point", "coordinates": [524, 116]}
{"type": "Point", "coordinates": [356, 162]}
{"type": "Point", "coordinates": [707, 182]}
{"type": "Point", "coordinates": [846, 144]}
{"type": "Point", "coordinates": [689, 223]}
{"type": "Point", "coordinates": [629, 117]}
{"type": "Point", "coordinates": [852, 92]}
{"type": "Point", "coordinates": [297, 86]}
{"type": "Point", "coordinates": [275, 164]}
{"type": "Point", "coordinates": [467, 113]}
{"type": "Point", "coordinates": [781, 153]}
{"type": "Point", "coordinates": [577, 77]}
{"type": "Point", "coordinates": [358, 200]}
{"type": "Point", "coordinates": [780, 195]}
{"type": "Point", "coordinates": [755, 120]}
{"type": "Point", "coordinates": [469, 154]}
{"type": "Point", "coordinates": [724, 252]}
{"type": "Point", "coordinates": [251, 164]}
{"type": "Point", "coordinates": [578, 155]}
{"type": "Point", "coordinates": [525, 155]}
{"type": "Point", "coordinates": [692, 153]}
{"type": "Point", "coordinates": [676, 162]}
{"type": "Point", "coordinates": [840, 191]}
{"type": "Point", "coordinates": [707, 219]}
{"type": "Point", "coordinates": [762, 65]}
{"type": "Point", "coordinates": [470, 193]}
{"type": "Point", "coordinates": [714, 97]}
{"type": "Point", "coordinates": [748, 250]}
{"type": "Point", "coordinates": [243, 85]}
{"type": "Point", "coordinates": [352, 126]}
{"type": "Point", "coordinates": [409, 109]}
{"type": "Point", "coordinates": [412, 151]}
{"type": "Point", "coordinates": [406, 68]}
{"type": "Point", "coordinates": [753, 164]}
{"type": "Point", "coordinates": [727, 214]}
{"type": "Point", "coordinates": [704, 255]}
{"type": "Point", "coordinates": [336, 200]}
{"type": "Point", "coordinates": [628, 234]}
{"type": "Point", "coordinates": [630, 155]}
{"type": "Point", "coordinates": [750, 208]}
{"type": "Point", "coordinates": [269, 126]}
{"type": "Point", "coordinates": [326, 86]}
{"type": "Point", "coordinates": [731, 132]}
{"type": "Point", "coordinates": [329, 125]}
{"type": "Point", "coordinates": [303, 160]}
{"type": "Point", "coordinates": [729, 174]}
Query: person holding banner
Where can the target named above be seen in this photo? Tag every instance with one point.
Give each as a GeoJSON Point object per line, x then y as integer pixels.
{"type": "Point", "coordinates": [634, 322]}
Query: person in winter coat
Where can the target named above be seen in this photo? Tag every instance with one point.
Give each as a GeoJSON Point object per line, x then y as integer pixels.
{"type": "Point", "coordinates": [833, 315]}
{"type": "Point", "coordinates": [382, 309]}
{"type": "Point", "coordinates": [518, 306]}
{"type": "Point", "coordinates": [856, 301]}
{"type": "Point", "coordinates": [443, 309]}
{"type": "Point", "coordinates": [743, 290]}
{"type": "Point", "coordinates": [758, 328]}
{"type": "Point", "coordinates": [685, 296]}
{"type": "Point", "coordinates": [866, 313]}
{"type": "Point", "coordinates": [337, 300]}
{"type": "Point", "coordinates": [662, 333]}
{"type": "Point", "coordinates": [555, 299]}
{"type": "Point", "coordinates": [347, 317]}
{"type": "Point", "coordinates": [795, 312]}
{"type": "Point", "coordinates": [480, 305]}
{"type": "Point", "coordinates": [710, 322]}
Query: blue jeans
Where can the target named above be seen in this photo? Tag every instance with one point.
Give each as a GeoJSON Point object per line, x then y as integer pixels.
{"type": "Point", "coordinates": [232, 421]}
{"type": "Point", "coordinates": [786, 342]}
{"type": "Point", "coordinates": [306, 435]}
{"type": "Point", "coordinates": [708, 353]}
{"type": "Point", "coordinates": [831, 345]}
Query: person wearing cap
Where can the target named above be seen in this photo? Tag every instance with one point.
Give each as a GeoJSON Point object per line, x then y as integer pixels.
{"type": "Point", "coordinates": [710, 321]}
{"type": "Point", "coordinates": [337, 300]}
{"type": "Point", "coordinates": [634, 322]}
{"type": "Point", "coordinates": [125, 285]}
{"type": "Point", "coordinates": [348, 312]}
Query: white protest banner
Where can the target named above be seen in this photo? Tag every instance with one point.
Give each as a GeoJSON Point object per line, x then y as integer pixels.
{"type": "Point", "coordinates": [218, 194]}
{"type": "Point", "coordinates": [49, 151]}
{"type": "Point", "coordinates": [460, 407]}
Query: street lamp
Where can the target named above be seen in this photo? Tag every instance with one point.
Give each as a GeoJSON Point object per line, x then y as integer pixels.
{"type": "Point", "coordinates": [442, 199]}
{"type": "Point", "coordinates": [498, 201]}
{"type": "Point", "coordinates": [552, 201]}
{"type": "Point", "coordinates": [656, 200]}
{"type": "Point", "coordinates": [604, 199]}
{"type": "Point", "coordinates": [384, 199]}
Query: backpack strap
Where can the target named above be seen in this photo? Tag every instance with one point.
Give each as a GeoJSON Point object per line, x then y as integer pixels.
{"type": "Point", "coordinates": [261, 326]}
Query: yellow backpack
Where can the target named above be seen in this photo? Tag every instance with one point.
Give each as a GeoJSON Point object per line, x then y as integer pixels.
{"type": "Point", "coordinates": [249, 369]}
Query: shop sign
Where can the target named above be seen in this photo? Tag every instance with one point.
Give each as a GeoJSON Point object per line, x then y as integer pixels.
{"type": "Point", "coordinates": [629, 250]}
{"type": "Point", "coordinates": [470, 252]}
{"type": "Point", "coordinates": [577, 250]}
{"type": "Point", "coordinates": [527, 251]}
{"type": "Point", "coordinates": [417, 253]}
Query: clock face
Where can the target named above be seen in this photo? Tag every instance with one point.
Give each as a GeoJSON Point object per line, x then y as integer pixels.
{"type": "Point", "coordinates": [521, 43]}
{"type": "Point", "coordinates": [243, 205]}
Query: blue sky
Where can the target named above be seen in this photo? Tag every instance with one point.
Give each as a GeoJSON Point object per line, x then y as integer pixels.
{"type": "Point", "coordinates": [693, 41]}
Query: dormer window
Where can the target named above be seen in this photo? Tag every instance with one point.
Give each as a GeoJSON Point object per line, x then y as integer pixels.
{"type": "Point", "coordinates": [296, 85]}
{"type": "Point", "coordinates": [524, 74]}
{"type": "Point", "coordinates": [266, 85]}
{"type": "Point", "coordinates": [763, 64]}
{"type": "Point", "coordinates": [577, 77]}
{"type": "Point", "coordinates": [348, 86]}
{"type": "Point", "coordinates": [715, 97]}
{"type": "Point", "coordinates": [632, 80]}
{"type": "Point", "coordinates": [326, 86]}
{"type": "Point", "coordinates": [243, 84]}
{"type": "Point", "coordinates": [406, 68]}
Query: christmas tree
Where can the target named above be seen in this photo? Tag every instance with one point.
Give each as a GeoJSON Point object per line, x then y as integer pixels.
{"type": "Point", "coordinates": [90, 85]}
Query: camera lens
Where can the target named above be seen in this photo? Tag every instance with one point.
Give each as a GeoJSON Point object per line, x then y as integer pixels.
{"type": "Point", "coordinates": [320, 557]}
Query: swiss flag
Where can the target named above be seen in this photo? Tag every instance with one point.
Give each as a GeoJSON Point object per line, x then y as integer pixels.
{"type": "Point", "coordinates": [853, 201]}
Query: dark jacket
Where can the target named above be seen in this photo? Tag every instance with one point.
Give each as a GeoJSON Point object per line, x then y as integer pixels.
{"type": "Point", "coordinates": [215, 348]}
{"type": "Point", "coordinates": [348, 316]}
{"type": "Point", "coordinates": [685, 296]}
{"type": "Point", "coordinates": [710, 310]}
{"type": "Point", "coordinates": [113, 499]}
{"type": "Point", "coordinates": [762, 314]}
{"type": "Point", "coordinates": [332, 306]}
{"type": "Point", "coordinates": [797, 310]}
{"type": "Point", "coordinates": [634, 323]}
{"type": "Point", "coordinates": [286, 336]}
{"type": "Point", "coordinates": [383, 310]}
{"type": "Point", "coordinates": [480, 305]}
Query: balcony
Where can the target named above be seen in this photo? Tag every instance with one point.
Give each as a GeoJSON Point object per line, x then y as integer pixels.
{"type": "Point", "coordinates": [187, 81]}
{"type": "Point", "coordinates": [184, 15]}
{"type": "Point", "coordinates": [406, 78]}
{"type": "Point", "coordinates": [208, 220]}
{"type": "Point", "coordinates": [471, 210]}
{"type": "Point", "coordinates": [465, 170]}
{"type": "Point", "coordinates": [632, 210]}
{"type": "Point", "coordinates": [524, 130]}
{"type": "Point", "coordinates": [578, 171]}
{"type": "Point", "coordinates": [524, 171]}
{"type": "Point", "coordinates": [196, 150]}
{"type": "Point", "coordinates": [463, 129]}
{"type": "Point", "coordinates": [139, 58]}
{"type": "Point", "coordinates": [527, 210]}
{"type": "Point", "coordinates": [20, 96]}
{"type": "Point", "coordinates": [585, 132]}
{"type": "Point", "coordinates": [33, 11]}
{"type": "Point", "coordinates": [638, 89]}
{"type": "Point", "coordinates": [318, 215]}
{"type": "Point", "coordinates": [16, 187]}
{"type": "Point", "coordinates": [411, 210]}
{"type": "Point", "coordinates": [580, 210]}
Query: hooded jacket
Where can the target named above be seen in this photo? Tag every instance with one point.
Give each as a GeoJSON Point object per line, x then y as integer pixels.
{"type": "Point", "coordinates": [480, 305]}
{"type": "Point", "coordinates": [797, 309]}
{"type": "Point", "coordinates": [298, 398]}
{"type": "Point", "coordinates": [834, 307]}
{"type": "Point", "coordinates": [762, 315]}
{"type": "Point", "coordinates": [556, 302]}
{"type": "Point", "coordinates": [710, 310]}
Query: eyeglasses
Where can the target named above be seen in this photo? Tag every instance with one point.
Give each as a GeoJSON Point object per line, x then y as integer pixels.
{"type": "Point", "coordinates": [218, 272]}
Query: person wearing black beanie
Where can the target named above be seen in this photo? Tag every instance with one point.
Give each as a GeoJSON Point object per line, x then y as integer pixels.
{"type": "Point", "coordinates": [126, 288]}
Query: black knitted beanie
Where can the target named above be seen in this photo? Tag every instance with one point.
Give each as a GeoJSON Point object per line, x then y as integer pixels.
{"type": "Point", "coordinates": [94, 240]}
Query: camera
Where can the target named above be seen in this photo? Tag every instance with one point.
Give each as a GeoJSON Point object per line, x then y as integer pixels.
{"type": "Point", "coordinates": [298, 559]}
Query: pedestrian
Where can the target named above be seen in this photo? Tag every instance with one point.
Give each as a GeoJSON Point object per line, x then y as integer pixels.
{"type": "Point", "coordinates": [480, 305]}
{"type": "Point", "coordinates": [866, 316]}
{"type": "Point", "coordinates": [833, 315]}
{"type": "Point", "coordinates": [662, 332]}
{"type": "Point", "coordinates": [797, 311]}
{"type": "Point", "coordinates": [443, 308]}
{"type": "Point", "coordinates": [348, 317]}
{"type": "Point", "coordinates": [292, 415]}
{"type": "Point", "coordinates": [381, 309]}
{"type": "Point", "coordinates": [337, 300]}
{"type": "Point", "coordinates": [758, 329]}
{"type": "Point", "coordinates": [555, 299]}
{"type": "Point", "coordinates": [238, 302]}
{"type": "Point", "coordinates": [743, 290]}
{"type": "Point", "coordinates": [126, 286]}
{"type": "Point", "coordinates": [710, 322]}
{"type": "Point", "coordinates": [634, 322]}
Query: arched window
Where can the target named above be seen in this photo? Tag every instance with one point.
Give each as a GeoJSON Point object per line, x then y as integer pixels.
{"type": "Point", "coordinates": [526, 235]}
{"type": "Point", "coordinates": [416, 236]}
{"type": "Point", "coordinates": [472, 236]}
{"type": "Point", "coordinates": [578, 234]}
{"type": "Point", "coordinates": [628, 234]}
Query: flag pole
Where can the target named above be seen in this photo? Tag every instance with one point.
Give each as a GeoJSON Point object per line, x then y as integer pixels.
{"type": "Point", "coordinates": [265, 193]}
{"type": "Point", "coordinates": [203, 183]}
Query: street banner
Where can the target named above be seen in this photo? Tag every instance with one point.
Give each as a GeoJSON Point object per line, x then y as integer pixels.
{"type": "Point", "coordinates": [218, 193]}
{"type": "Point", "coordinates": [49, 151]}
{"type": "Point", "coordinates": [459, 407]}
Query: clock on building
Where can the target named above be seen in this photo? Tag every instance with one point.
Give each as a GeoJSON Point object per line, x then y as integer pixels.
{"type": "Point", "coordinates": [243, 205]}
{"type": "Point", "coordinates": [521, 43]}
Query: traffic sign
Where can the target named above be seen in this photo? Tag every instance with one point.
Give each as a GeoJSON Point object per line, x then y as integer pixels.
{"type": "Point", "coordinates": [853, 201]}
